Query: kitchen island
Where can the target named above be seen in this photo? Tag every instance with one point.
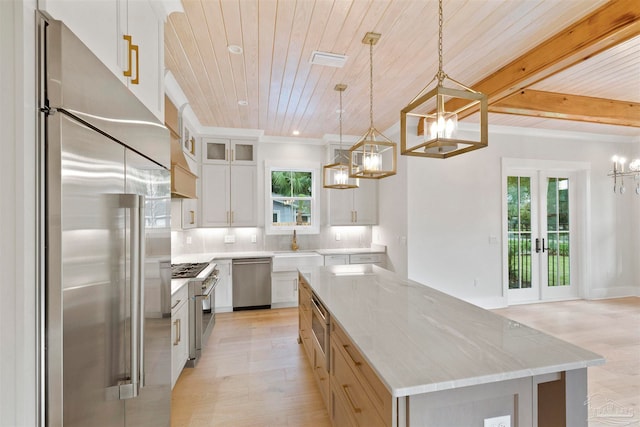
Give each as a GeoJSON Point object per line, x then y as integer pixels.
{"type": "Point", "coordinates": [404, 354]}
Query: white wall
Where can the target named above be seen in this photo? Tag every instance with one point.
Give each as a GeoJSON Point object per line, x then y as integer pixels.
{"type": "Point", "coordinates": [18, 259]}
{"type": "Point", "coordinates": [393, 215]}
{"type": "Point", "coordinates": [454, 206]}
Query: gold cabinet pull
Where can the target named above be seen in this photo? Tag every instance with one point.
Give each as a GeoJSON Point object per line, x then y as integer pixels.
{"type": "Point", "coordinates": [127, 37]}
{"type": "Point", "coordinates": [193, 217]}
{"type": "Point", "coordinates": [348, 395]}
{"type": "Point", "coordinates": [177, 325]}
{"type": "Point", "coordinates": [353, 359]}
{"type": "Point", "coordinates": [129, 71]}
{"type": "Point", "coordinates": [134, 47]}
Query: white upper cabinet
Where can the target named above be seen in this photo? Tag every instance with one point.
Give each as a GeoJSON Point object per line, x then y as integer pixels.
{"type": "Point", "coordinates": [358, 206]}
{"type": "Point", "coordinates": [228, 151]}
{"type": "Point", "coordinates": [105, 26]}
{"type": "Point", "coordinates": [229, 196]}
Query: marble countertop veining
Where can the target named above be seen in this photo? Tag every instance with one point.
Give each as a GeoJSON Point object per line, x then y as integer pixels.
{"type": "Point", "coordinates": [421, 340]}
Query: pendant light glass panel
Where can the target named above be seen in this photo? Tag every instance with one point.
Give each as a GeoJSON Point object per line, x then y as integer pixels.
{"type": "Point", "coordinates": [373, 157]}
{"type": "Point", "coordinates": [336, 176]}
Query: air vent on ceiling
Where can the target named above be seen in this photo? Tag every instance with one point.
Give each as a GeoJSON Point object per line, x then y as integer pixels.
{"type": "Point", "coordinates": [328, 59]}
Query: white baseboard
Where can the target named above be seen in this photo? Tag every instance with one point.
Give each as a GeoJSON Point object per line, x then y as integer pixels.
{"type": "Point", "coordinates": [616, 292]}
{"type": "Point", "coordinates": [488, 303]}
{"type": "Point", "coordinates": [284, 304]}
{"type": "Point", "coordinates": [224, 309]}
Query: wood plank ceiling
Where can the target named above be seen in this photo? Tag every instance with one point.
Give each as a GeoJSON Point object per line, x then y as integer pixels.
{"type": "Point", "coordinates": [285, 93]}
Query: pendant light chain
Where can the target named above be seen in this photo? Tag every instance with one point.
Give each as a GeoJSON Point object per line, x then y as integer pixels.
{"type": "Point", "coordinates": [441, 75]}
{"type": "Point", "coordinates": [371, 83]}
{"type": "Point", "coordinates": [340, 121]}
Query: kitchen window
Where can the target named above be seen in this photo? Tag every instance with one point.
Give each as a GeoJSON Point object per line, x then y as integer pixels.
{"type": "Point", "coordinates": [292, 194]}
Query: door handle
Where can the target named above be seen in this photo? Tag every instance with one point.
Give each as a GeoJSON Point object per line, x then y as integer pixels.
{"type": "Point", "coordinates": [135, 203]}
{"type": "Point", "coordinates": [540, 248]}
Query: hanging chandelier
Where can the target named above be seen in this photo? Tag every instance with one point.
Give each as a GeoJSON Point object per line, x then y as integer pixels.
{"type": "Point", "coordinates": [336, 174]}
{"type": "Point", "coordinates": [430, 120]}
{"type": "Point", "coordinates": [618, 174]}
{"type": "Point", "coordinates": [374, 155]}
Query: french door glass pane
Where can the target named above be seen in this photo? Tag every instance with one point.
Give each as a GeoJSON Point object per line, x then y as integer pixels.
{"type": "Point", "coordinates": [558, 232]}
{"type": "Point", "coordinates": [519, 227]}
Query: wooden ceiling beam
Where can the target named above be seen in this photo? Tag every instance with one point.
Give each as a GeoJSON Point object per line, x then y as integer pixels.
{"type": "Point", "coordinates": [611, 24]}
{"type": "Point", "coordinates": [569, 107]}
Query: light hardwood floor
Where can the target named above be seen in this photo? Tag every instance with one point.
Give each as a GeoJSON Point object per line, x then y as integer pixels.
{"type": "Point", "coordinates": [254, 373]}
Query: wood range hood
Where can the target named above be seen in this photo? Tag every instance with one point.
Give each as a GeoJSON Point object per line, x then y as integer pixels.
{"type": "Point", "coordinates": [183, 181]}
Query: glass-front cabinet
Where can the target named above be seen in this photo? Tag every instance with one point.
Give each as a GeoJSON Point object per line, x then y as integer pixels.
{"type": "Point", "coordinates": [225, 151]}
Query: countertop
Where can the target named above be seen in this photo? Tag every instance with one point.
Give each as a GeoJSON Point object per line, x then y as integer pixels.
{"type": "Point", "coordinates": [421, 340]}
{"type": "Point", "coordinates": [210, 256]}
{"type": "Point", "coordinates": [176, 284]}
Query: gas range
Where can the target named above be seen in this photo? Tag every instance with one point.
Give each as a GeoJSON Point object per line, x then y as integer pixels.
{"type": "Point", "coordinates": [187, 270]}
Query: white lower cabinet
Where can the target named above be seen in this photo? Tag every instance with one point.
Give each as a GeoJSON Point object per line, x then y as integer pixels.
{"type": "Point", "coordinates": [336, 259]}
{"type": "Point", "coordinates": [179, 332]}
{"type": "Point", "coordinates": [224, 292]}
{"type": "Point", "coordinates": [284, 276]}
{"type": "Point", "coordinates": [284, 289]}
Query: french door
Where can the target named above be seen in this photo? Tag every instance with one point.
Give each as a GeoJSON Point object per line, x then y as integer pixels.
{"type": "Point", "coordinates": [540, 223]}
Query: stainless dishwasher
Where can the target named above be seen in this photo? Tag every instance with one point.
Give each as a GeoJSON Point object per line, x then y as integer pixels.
{"type": "Point", "coordinates": [251, 283]}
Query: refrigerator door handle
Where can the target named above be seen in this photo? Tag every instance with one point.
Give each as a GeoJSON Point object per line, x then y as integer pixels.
{"type": "Point", "coordinates": [135, 203]}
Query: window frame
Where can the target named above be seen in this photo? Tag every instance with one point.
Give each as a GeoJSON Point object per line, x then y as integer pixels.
{"type": "Point", "coordinates": [316, 216]}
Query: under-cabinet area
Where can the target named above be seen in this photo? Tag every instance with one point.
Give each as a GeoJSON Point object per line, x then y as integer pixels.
{"type": "Point", "coordinates": [438, 362]}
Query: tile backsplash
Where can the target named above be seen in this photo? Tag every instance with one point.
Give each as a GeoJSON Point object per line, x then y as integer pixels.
{"type": "Point", "coordinates": [201, 240]}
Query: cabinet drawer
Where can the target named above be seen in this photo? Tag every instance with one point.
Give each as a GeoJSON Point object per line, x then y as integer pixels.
{"type": "Point", "coordinates": [320, 371]}
{"type": "Point", "coordinates": [366, 258]}
{"type": "Point", "coordinates": [340, 416]}
{"type": "Point", "coordinates": [304, 328]}
{"type": "Point", "coordinates": [350, 391]}
{"type": "Point", "coordinates": [371, 384]}
{"type": "Point", "coordinates": [179, 298]}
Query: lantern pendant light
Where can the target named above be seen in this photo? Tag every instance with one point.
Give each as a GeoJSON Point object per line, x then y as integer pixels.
{"type": "Point", "coordinates": [374, 155]}
{"type": "Point", "coordinates": [336, 174]}
{"type": "Point", "coordinates": [433, 114]}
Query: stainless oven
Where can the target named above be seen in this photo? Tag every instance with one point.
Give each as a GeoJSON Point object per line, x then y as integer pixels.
{"type": "Point", "coordinates": [202, 314]}
{"type": "Point", "coordinates": [320, 326]}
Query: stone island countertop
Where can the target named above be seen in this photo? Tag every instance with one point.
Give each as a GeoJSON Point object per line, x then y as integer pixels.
{"type": "Point", "coordinates": [421, 340]}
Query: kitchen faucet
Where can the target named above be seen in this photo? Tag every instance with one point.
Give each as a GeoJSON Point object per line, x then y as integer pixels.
{"type": "Point", "coordinates": [294, 243]}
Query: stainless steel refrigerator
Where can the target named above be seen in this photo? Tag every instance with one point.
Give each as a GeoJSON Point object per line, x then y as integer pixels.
{"type": "Point", "coordinates": [107, 351]}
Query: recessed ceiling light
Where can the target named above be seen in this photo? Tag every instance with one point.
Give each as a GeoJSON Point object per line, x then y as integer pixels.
{"type": "Point", "coordinates": [235, 49]}
{"type": "Point", "coordinates": [296, 132]}
{"type": "Point", "coordinates": [243, 102]}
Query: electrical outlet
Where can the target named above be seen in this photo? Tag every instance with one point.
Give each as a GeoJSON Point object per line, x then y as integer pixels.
{"type": "Point", "coordinates": [229, 238]}
{"type": "Point", "coordinates": [254, 238]}
{"type": "Point", "coordinates": [188, 240]}
{"type": "Point", "coordinates": [337, 236]}
{"type": "Point", "coordinates": [503, 421]}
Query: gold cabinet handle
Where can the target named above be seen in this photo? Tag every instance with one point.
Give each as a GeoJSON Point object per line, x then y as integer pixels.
{"type": "Point", "coordinates": [353, 406]}
{"type": "Point", "coordinates": [231, 217]}
{"type": "Point", "coordinates": [134, 47]}
{"type": "Point", "coordinates": [356, 216]}
{"type": "Point", "coordinates": [131, 48]}
{"type": "Point", "coordinates": [193, 217]}
{"type": "Point", "coordinates": [346, 349]}
{"type": "Point", "coordinates": [177, 325]}
{"type": "Point", "coordinates": [232, 159]}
